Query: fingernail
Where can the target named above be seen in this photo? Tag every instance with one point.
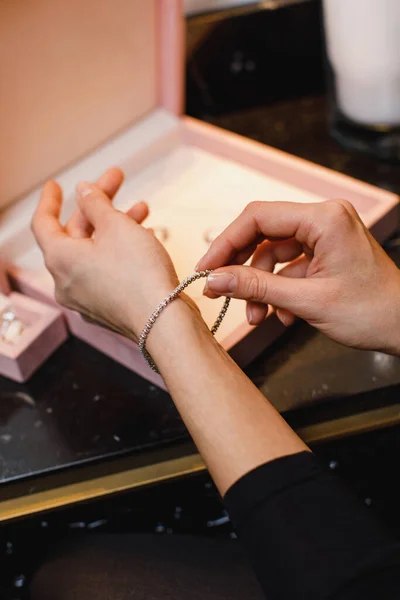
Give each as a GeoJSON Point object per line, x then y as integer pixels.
{"type": "Point", "coordinates": [222, 283]}
{"type": "Point", "coordinates": [84, 188]}
{"type": "Point", "coordinates": [249, 315]}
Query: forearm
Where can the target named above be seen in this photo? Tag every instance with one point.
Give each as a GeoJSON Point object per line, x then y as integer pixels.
{"type": "Point", "coordinates": [298, 511]}
{"type": "Point", "coordinates": [234, 427]}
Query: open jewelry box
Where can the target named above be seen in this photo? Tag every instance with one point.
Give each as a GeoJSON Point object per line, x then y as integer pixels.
{"type": "Point", "coordinates": [40, 331]}
{"type": "Point", "coordinates": [96, 84]}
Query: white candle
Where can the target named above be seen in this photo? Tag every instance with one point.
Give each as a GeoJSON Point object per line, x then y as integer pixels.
{"type": "Point", "coordinates": [363, 44]}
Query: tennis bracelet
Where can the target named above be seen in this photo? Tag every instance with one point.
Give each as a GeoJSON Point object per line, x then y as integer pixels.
{"type": "Point", "coordinates": [172, 296]}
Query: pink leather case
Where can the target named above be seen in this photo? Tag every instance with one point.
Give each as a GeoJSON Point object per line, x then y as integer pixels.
{"type": "Point", "coordinates": [104, 86]}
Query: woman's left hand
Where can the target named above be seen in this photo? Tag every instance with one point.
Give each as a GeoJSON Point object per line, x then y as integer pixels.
{"type": "Point", "coordinates": [104, 263]}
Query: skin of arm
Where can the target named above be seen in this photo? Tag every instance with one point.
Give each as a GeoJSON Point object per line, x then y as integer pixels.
{"type": "Point", "coordinates": [233, 425]}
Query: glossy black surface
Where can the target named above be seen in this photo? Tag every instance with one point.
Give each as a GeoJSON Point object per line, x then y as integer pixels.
{"type": "Point", "coordinates": [300, 126]}
{"type": "Point", "coordinates": [81, 406]}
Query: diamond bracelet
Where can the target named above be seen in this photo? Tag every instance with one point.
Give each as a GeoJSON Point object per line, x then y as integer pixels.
{"type": "Point", "coordinates": [172, 296]}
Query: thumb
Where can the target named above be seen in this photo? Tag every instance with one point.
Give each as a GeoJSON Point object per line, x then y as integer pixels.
{"type": "Point", "coordinates": [93, 203]}
{"type": "Point", "coordinates": [247, 283]}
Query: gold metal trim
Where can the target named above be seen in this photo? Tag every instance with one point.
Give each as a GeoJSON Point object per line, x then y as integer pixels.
{"type": "Point", "coordinates": [220, 15]}
{"type": "Point", "coordinates": [370, 420]}
{"type": "Point", "coordinates": [99, 487]}
{"type": "Point", "coordinates": [178, 467]}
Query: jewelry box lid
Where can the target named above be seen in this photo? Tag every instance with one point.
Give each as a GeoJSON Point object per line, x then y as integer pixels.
{"type": "Point", "coordinates": [75, 74]}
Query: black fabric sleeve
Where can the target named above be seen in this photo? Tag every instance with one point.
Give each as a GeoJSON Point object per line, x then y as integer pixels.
{"type": "Point", "coordinates": [309, 538]}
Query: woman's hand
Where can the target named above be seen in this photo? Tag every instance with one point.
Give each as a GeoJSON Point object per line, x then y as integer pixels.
{"type": "Point", "coordinates": [104, 263]}
{"type": "Point", "coordinates": [338, 278]}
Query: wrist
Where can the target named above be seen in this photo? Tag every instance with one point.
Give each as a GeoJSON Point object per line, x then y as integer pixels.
{"type": "Point", "coordinates": [387, 315]}
{"type": "Point", "coordinates": [390, 340]}
{"type": "Point", "coordinates": [175, 326]}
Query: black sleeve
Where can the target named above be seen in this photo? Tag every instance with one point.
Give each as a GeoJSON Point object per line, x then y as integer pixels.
{"type": "Point", "coordinates": [308, 538]}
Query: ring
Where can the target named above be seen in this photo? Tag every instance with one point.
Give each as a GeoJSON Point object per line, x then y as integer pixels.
{"type": "Point", "coordinates": [6, 319]}
{"type": "Point", "coordinates": [161, 233]}
{"type": "Point", "coordinates": [211, 234]}
{"type": "Point", "coordinates": [11, 327]}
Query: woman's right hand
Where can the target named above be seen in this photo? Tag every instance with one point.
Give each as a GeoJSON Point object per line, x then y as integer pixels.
{"type": "Point", "coordinates": [338, 278]}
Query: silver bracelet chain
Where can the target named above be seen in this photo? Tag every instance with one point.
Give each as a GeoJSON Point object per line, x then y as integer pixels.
{"type": "Point", "coordinates": [172, 296]}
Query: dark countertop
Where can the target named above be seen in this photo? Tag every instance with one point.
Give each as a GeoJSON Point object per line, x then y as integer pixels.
{"type": "Point", "coordinates": [82, 407]}
{"type": "Point", "coordinates": [301, 126]}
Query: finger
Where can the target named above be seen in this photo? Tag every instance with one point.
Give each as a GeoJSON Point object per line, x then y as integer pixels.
{"type": "Point", "coordinates": [110, 182]}
{"type": "Point", "coordinates": [269, 254]}
{"type": "Point", "coordinates": [94, 204]}
{"type": "Point", "coordinates": [46, 220]}
{"type": "Point", "coordinates": [257, 221]}
{"type": "Point", "coordinates": [297, 268]}
{"type": "Point", "coordinates": [266, 257]}
{"type": "Point", "coordinates": [256, 312]}
{"type": "Point", "coordinates": [244, 255]}
{"type": "Point", "coordinates": [308, 223]}
{"type": "Point", "coordinates": [300, 296]}
{"type": "Point", "coordinates": [139, 212]}
{"type": "Point", "coordinates": [78, 226]}
{"type": "Point", "coordinates": [286, 317]}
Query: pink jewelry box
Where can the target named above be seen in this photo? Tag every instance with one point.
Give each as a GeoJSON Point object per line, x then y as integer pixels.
{"type": "Point", "coordinates": [44, 331]}
{"type": "Point", "coordinates": [101, 84]}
